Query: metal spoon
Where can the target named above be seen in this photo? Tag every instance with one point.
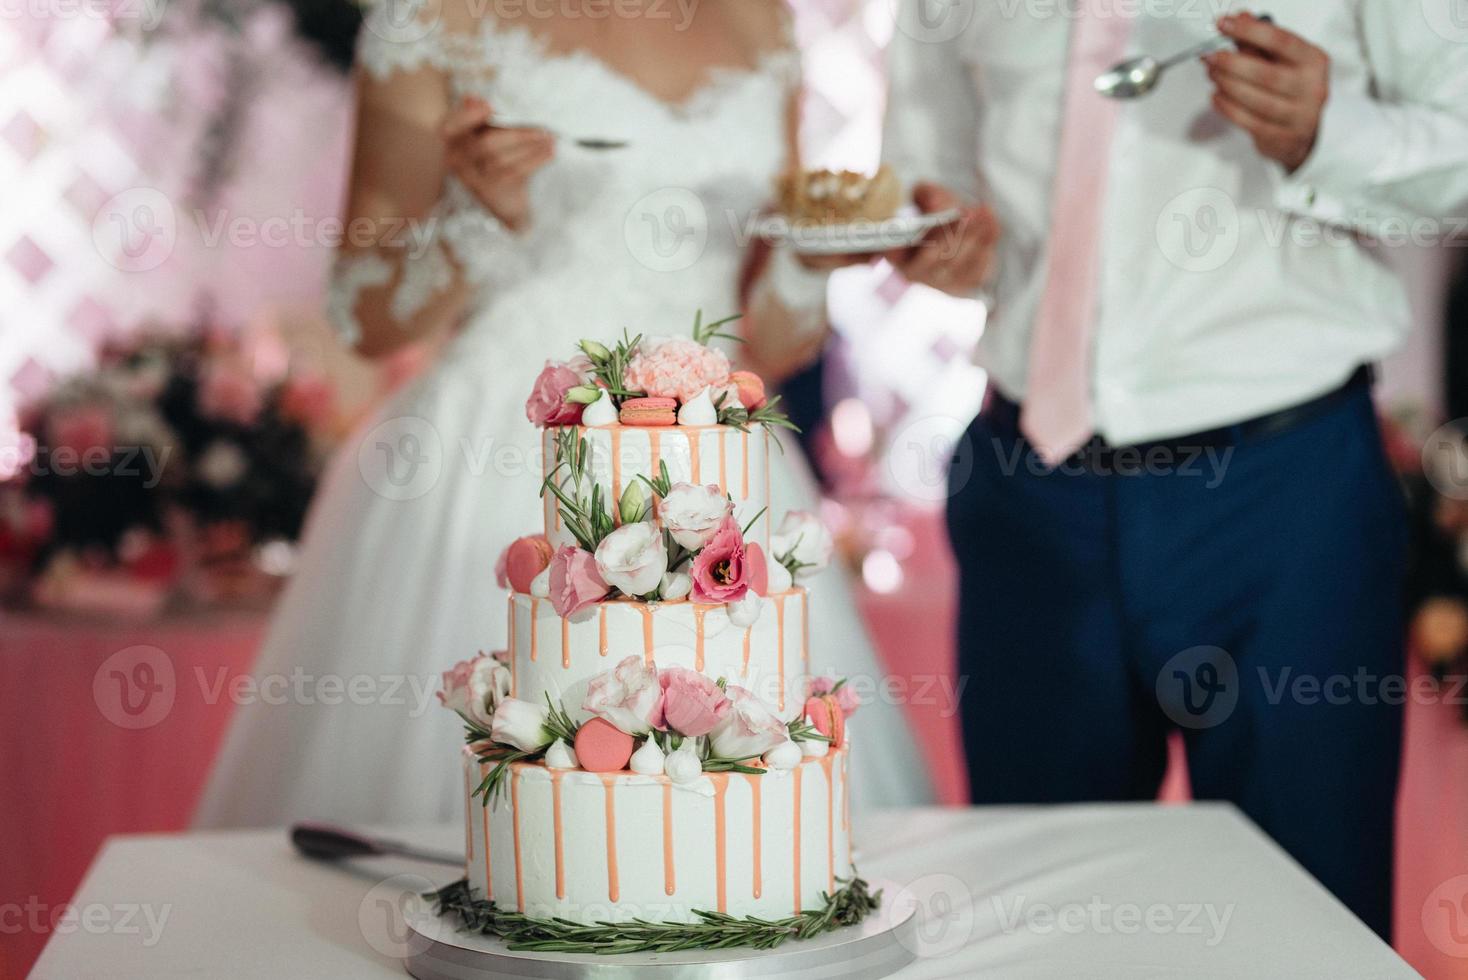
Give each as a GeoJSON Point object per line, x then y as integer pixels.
{"type": "Point", "coordinates": [584, 142]}
{"type": "Point", "coordinates": [1136, 77]}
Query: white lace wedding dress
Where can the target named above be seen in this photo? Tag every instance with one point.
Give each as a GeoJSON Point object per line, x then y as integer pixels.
{"type": "Point", "coordinates": [396, 576]}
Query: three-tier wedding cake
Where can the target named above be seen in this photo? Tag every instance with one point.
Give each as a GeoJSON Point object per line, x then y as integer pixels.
{"type": "Point", "coordinates": [650, 746]}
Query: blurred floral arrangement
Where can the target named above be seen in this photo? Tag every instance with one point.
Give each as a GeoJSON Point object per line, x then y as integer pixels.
{"type": "Point", "coordinates": [177, 469]}
{"type": "Point", "coordinates": [1436, 483]}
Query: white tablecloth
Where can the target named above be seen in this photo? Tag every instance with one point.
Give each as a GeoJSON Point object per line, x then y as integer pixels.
{"type": "Point", "coordinates": [1125, 891]}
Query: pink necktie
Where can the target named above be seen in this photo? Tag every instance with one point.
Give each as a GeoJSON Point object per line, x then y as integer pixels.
{"type": "Point", "coordinates": [1056, 416]}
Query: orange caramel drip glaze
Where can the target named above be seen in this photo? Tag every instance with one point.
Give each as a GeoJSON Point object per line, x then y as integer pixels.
{"type": "Point", "coordinates": [646, 633]}
{"type": "Point", "coordinates": [699, 611]}
{"type": "Point", "coordinates": [515, 824]}
{"type": "Point", "coordinates": [469, 816]}
{"type": "Point", "coordinates": [534, 633]}
{"type": "Point", "coordinates": [721, 838]}
{"type": "Point", "coordinates": [795, 788]}
{"type": "Point", "coordinates": [513, 648]}
{"type": "Point", "coordinates": [754, 786]}
{"type": "Point", "coordinates": [670, 884]}
{"type": "Point", "coordinates": [744, 670]}
{"type": "Point", "coordinates": [566, 644]}
{"type": "Point", "coordinates": [614, 890]}
{"type": "Point", "coordinates": [805, 631]}
{"type": "Point", "coordinates": [601, 644]}
{"type": "Point", "coordinates": [695, 468]}
{"type": "Point", "coordinates": [723, 464]}
{"type": "Point", "coordinates": [655, 451]}
{"type": "Point", "coordinates": [488, 870]}
{"type": "Point", "coordinates": [846, 799]}
{"type": "Point", "coordinates": [780, 643]}
{"type": "Point", "coordinates": [826, 761]}
{"type": "Point", "coordinates": [744, 477]}
{"type": "Point", "coordinates": [765, 444]}
{"type": "Point", "coordinates": [616, 473]}
{"type": "Point", "coordinates": [556, 775]}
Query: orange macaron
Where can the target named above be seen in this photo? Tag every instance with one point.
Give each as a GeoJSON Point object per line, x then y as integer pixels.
{"type": "Point", "coordinates": [649, 411]}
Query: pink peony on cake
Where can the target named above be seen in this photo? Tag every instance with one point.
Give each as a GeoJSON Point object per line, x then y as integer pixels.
{"type": "Point", "coordinates": [648, 764]}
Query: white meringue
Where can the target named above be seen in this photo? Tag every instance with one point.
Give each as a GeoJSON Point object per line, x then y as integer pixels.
{"type": "Point", "coordinates": [745, 610]}
{"type": "Point", "coordinates": [814, 749]}
{"type": "Point", "coordinates": [779, 575]}
{"type": "Point", "coordinates": [600, 412]}
{"type": "Point", "coordinates": [699, 410]}
{"type": "Point", "coordinates": [648, 760]}
{"type": "Point", "coordinates": [786, 755]}
{"type": "Point", "coordinates": [683, 764]}
{"type": "Point", "coordinates": [560, 756]}
{"type": "Point", "coordinates": [540, 585]}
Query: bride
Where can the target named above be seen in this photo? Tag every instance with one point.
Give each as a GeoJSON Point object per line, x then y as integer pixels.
{"type": "Point", "coordinates": [487, 213]}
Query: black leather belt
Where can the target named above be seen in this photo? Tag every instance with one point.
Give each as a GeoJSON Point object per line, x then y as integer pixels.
{"type": "Point", "coordinates": [1002, 416]}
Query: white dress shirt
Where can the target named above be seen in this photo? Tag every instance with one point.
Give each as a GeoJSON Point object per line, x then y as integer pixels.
{"type": "Point", "coordinates": [1228, 288]}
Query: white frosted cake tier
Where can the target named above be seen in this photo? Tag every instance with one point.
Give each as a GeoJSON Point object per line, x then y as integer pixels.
{"type": "Point", "coordinates": [557, 656]}
{"type": "Point", "coordinates": [594, 847]}
{"type": "Point", "coordinates": [738, 461]}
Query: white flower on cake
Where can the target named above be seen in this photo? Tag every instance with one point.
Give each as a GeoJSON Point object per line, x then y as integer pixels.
{"type": "Point", "coordinates": [786, 755]}
{"type": "Point", "coordinates": [699, 410]}
{"type": "Point", "coordinates": [633, 558]}
{"type": "Point", "coordinates": [600, 412]}
{"type": "Point", "coordinates": [749, 729]}
{"type": "Point", "coordinates": [648, 760]}
{"type": "Point", "coordinates": [692, 514]}
{"type": "Point", "coordinates": [780, 579]}
{"type": "Point", "coordinates": [560, 756]}
{"type": "Point", "coordinates": [676, 585]}
{"type": "Point", "coordinates": [521, 724]}
{"type": "Point", "coordinates": [683, 764]}
{"type": "Point", "coordinates": [629, 696]}
{"type": "Point", "coordinates": [802, 544]}
{"type": "Point", "coordinates": [814, 749]}
{"type": "Point", "coordinates": [474, 688]}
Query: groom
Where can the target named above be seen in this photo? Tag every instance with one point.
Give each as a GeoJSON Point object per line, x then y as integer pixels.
{"type": "Point", "coordinates": [1174, 511]}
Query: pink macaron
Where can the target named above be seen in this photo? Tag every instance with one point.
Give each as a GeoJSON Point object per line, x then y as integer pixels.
{"type": "Point", "coordinates": [649, 411]}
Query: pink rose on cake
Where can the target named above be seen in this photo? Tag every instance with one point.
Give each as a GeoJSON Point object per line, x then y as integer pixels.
{"type": "Point", "coordinates": [575, 582]}
{"type": "Point", "coordinates": [548, 404]}
{"type": "Point", "coordinates": [475, 688]}
{"type": "Point", "coordinates": [692, 704]}
{"type": "Point", "coordinates": [692, 514]}
{"type": "Point", "coordinates": [721, 571]}
{"type": "Point", "coordinates": [749, 729]}
{"type": "Point", "coordinates": [676, 367]}
{"type": "Point", "coordinates": [629, 696]}
{"type": "Point", "coordinates": [632, 558]}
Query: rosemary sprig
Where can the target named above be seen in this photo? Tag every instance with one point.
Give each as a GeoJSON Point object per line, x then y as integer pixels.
{"type": "Point", "coordinates": [705, 332]}
{"type": "Point", "coordinates": [803, 731]}
{"type": "Point", "coordinates": [610, 365]}
{"type": "Point", "coordinates": [794, 565]}
{"type": "Point", "coordinates": [585, 516]}
{"type": "Point", "coordinates": [736, 416]}
{"type": "Point", "coordinates": [558, 722]}
{"type": "Point", "coordinates": [494, 781]}
{"type": "Point", "coordinates": [848, 905]}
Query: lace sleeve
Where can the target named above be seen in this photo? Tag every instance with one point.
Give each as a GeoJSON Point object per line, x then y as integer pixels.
{"type": "Point", "coordinates": [401, 35]}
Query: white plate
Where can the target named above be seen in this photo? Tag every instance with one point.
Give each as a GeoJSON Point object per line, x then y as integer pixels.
{"type": "Point", "coordinates": [855, 238]}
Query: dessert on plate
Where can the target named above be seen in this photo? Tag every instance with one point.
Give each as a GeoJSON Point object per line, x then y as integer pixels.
{"type": "Point", "coordinates": [648, 764]}
{"type": "Point", "coordinates": [837, 197]}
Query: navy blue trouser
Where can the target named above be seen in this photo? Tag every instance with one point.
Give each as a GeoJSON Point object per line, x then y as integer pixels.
{"type": "Point", "coordinates": [1249, 597]}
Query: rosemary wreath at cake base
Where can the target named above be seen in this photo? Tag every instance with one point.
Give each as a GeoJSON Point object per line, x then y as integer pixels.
{"type": "Point", "coordinates": [713, 930]}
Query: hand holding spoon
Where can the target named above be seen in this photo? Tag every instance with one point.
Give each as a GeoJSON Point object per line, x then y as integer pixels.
{"type": "Point", "coordinates": [1137, 76]}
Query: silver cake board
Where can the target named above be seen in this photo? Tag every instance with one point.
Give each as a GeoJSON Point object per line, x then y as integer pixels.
{"type": "Point", "coordinates": [880, 945]}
